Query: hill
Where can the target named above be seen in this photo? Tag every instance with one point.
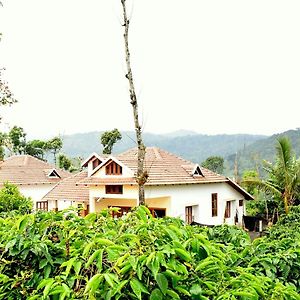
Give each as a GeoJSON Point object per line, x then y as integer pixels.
{"type": "Point", "coordinates": [252, 155]}
{"type": "Point", "coordinates": [192, 146]}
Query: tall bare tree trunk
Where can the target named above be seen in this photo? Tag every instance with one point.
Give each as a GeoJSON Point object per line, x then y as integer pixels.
{"type": "Point", "coordinates": [141, 176]}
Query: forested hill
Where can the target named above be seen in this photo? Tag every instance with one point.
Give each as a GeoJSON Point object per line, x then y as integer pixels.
{"type": "Point", "coordinates": [192, 146]}
{"type": "Point", "coordinates": [251, 156]}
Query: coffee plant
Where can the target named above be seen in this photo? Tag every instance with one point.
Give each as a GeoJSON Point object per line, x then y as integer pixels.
{"type": "Point", "coordinates": [50, 255]}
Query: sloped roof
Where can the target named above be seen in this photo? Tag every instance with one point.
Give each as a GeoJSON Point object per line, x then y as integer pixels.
{"type": "Point", "coordinates": [26, 170]}
{"type": "Point", "coordinates": [68, 190]}
{"type": "Point", "coordinates": [164, 168]}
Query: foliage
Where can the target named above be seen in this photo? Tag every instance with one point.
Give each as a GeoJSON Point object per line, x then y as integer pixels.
{"type": "Point", "coordinates": [108, 139]}
{"type": "Point", "coordinates": [214, 163]}
{"type": "Point", "coordinates": [62, 256]}
{"type": "Point", "coordinates": [64, 162]}
{"type": "Point", "coordinates": [6, 96]}
{"type": "Point", "coordinates": [17, 140]}
{"type": "Point", "coordinates": [36, 148]}
{"type": "Point", "coordinates": [283, 181]}
{"type": "Point", "coordinates": [12, 200]}
{"type": "Point", "coordinates": [54, 145]}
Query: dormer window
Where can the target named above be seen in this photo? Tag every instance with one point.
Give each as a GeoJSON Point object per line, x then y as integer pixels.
{"type": "Point", "coordinates": [198, 171]}
{"type": "Point", "coordinates": [113, 169]}
{"type": "Point", "coordinates": [96, 163]}
{"type": "Point", "coordinates": [53, 174]}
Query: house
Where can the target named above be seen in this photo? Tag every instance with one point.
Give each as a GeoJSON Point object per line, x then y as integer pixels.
{"type": "Point", "coordinates": [67, 193]}
{"type": "Point", "coordinates": [34, 177]}
{"type": "Point", "coordinates": [175, 187]}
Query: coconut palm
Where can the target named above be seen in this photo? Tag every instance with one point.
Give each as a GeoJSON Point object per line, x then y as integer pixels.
{"type": "Point", "coordinates": [283, 180]}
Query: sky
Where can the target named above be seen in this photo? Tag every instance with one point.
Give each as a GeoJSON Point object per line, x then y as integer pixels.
{"type": "Point", "coordinates": [212, 67]}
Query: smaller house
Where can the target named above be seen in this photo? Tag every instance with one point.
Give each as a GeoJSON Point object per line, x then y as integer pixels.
{"type": "Point", "coordinates": [66, 193]}
{"type": "Point", "coordinates": [34, 177]}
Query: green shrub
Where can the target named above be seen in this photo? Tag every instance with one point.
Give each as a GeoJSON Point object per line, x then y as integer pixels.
{"type": "Point", "coordinates": [63, 256]}
{"type": "Point", "coordinates": [11, 200]}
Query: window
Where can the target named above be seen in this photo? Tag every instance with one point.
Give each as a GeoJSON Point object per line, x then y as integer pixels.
{"type": "Point", "coordinates": [241, 203]}
{"type": "Point", "coordinates": [114, 189]}
{"type": "Point", "coordinates": [53, 174]}
{"type": "Point", "coordinates": [228, 209]}
{"type": "Point", "coordinates": [96, 163]}
{"type": "Point", "coordinates": [42, 205]}
{"type": "Point", "coordinates": [198, 171]}
{"type": "Point", "coordinates": [188, 214]}
{"type": "Point", "coordinates": [158, 212]}
{"type": "Point", "coordinates": [113, 169]}
{"type": "Point", "coordinates": [214, 204]}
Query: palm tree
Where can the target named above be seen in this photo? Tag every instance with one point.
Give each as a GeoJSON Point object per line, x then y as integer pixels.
{"type": "Point", "coordinates": [283, 180]}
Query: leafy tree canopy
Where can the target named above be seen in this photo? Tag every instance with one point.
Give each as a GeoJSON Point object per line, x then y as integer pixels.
{"type": "Point", "coordinates": [108, 139]}
{"type": "Point", "coordinates": [283, 176]}
{"type": "Point", "coordinates": [64, 162]}
{"type": "Point", "coordinates": [214, 163]}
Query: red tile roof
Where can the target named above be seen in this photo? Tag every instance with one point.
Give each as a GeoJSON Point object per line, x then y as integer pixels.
{"type": "Point", "coordinates": [164, 168]}
{"type": "Point", "coordinates": [26, 170]}
{"type": "Point", "coordinates": [68, 190]}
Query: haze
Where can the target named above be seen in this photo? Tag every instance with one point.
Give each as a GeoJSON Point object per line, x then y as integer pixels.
{"type": "Point", "coordinates": [207, 66]}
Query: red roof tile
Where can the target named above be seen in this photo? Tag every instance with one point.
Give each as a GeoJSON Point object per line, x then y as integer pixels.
{"type": "Point", "coordinates": [68, 190]}
{"type": "Point", "coordinates": [26, 169]}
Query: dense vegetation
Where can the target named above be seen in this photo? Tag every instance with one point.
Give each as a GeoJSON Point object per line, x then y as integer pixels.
{"type": "Point", "coordinates": [11, 200]}
{"type": "Point", "coordinates": [62, 256]}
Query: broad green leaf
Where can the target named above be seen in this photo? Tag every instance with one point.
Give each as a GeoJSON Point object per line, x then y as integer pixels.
{"type": "Point", "coordinates": [183, 254]}
{"type": "Point", "coordinates": [138, 288]}
{"type": "Point", "coordinates": [162, 282]}
{"type": "Point", "coordinates": [93, 284]}
{"type": "Point", "coordinates": [156, 295]}
{"type": "Point", "coordinates": [173, 294]}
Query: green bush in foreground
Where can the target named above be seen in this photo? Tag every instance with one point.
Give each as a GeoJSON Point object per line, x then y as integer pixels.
{"type": "Point", "coordinates": [11, 200]}
{"type": "Point", "coordinates": [62, 256]}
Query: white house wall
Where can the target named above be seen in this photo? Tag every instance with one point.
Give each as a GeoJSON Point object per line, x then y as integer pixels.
{"type": "Point", "coordinates": [35, 192]}
{"type": "Point", "coordinates": [199, 196]}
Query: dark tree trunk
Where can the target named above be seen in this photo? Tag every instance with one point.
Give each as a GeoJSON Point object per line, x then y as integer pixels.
{"type": "Point", "coordinates": [141, 176]}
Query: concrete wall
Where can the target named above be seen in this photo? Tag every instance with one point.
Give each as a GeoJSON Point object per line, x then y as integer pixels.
{"type": "Point", "coordinates": [175, 198]}
{"type": "Point", "coordinates": [35, 192]}
{"type": "Point", "coordinates": [199, 197]}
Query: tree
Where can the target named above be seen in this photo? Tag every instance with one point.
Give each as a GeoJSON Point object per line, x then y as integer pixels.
{"type": "Point", "coordinates": [214, 163]}
{"type": "Point", "coordinates": [12, 200]}
{"type": "Point", "coordinates": [283, 181]}
{"type": "Point", "coordinates": [17, 140]}
{"type": "Point", "coordinates": [108, 139]}
{"type": "Point", "coordinates": [3, 139]}
{"type": "Point", "coordinates": [36, 148]}
{"type": "Point", "coordinates": [54, 145]}
{"type": "Point", "coordinates": [141, 174]}
{"type": "Point", "coordinates": [64, 162]}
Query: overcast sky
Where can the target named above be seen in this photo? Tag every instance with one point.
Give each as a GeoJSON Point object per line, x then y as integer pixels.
{"type": "Point", "coordinates": [208, 66]}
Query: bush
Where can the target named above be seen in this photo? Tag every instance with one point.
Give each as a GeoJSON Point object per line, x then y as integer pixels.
{"type": "Point", "coordinates": [50, 255]}
{"type": "Point", "coordinates": [11, 200]}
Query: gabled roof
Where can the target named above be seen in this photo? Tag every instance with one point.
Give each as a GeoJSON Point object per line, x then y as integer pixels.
{"type": "Point", "coordinates": [240, 189]}
{"type": "Point", "coordinates": [68, 190]}
{"type": "Point", "coordinates": [108, 160]}
{"type": "Point", "coordinates": [162, 167]}
{"type": "Point", "coordinates": [92, 156]}
{"type": "Point", "coordinates": [26, 170]}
